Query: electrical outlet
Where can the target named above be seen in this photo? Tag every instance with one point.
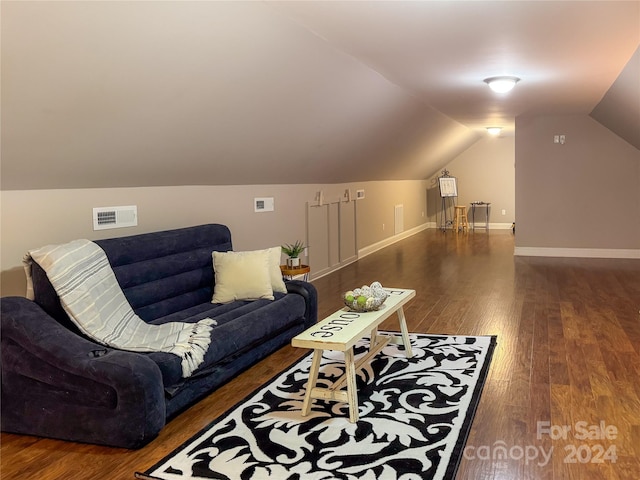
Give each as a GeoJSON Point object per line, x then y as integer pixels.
{"type": "Point", "coordinates": [504, 212]}
{"type": "Point", "coordinates": [383, 227]}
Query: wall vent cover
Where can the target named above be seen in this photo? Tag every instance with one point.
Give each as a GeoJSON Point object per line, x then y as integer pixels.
{"type": "Point", "coordinates": [115, 217]}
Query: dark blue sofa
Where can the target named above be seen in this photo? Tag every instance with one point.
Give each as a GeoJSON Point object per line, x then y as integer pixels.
{"type": "Point", "coordinates": [57, 383]}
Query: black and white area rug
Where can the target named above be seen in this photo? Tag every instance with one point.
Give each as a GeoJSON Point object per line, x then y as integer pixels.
{"type": "Point", "coordinates": [415, 416]}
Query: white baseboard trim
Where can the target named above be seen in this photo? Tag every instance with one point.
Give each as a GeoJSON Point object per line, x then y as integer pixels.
{"type": "Point", "coordinates": [370, 249]}
{"type": "Point", "coordinates": [363, 252]}
{"type": "Point", "coordinates": [316, 275]}
{"type": "Point", "coordinates": [479, 226]}
{"type": "Point", "coordinates": [500, 226]}
{"type": "Point", "coordinates": [576, 252]}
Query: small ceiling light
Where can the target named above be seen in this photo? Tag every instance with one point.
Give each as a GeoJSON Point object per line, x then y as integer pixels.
{"type": "Point", "coordinates": [501, 84]}
{"type": "Point", "coordinates": [494, 130]}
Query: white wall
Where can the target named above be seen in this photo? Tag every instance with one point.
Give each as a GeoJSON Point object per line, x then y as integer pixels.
{"type": "Point", "coordinates": [577, 199]}
{"type": "Point", "coordinates": [32, 218]}
{"type": "Point", "coordinates": [484, 172]}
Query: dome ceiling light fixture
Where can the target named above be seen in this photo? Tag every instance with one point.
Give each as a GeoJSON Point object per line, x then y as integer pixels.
{"type": "Point", "coordinates": [494, 130]}
{"type": "Point", "coordinates": [501, 84]}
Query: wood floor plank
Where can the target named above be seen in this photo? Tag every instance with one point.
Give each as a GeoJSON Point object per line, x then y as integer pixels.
{"type": "Point", "coordinates": [568, 350]}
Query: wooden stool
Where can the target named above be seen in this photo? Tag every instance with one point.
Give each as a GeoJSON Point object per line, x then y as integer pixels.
{"type": "Point", "coordinates": [460, 218]}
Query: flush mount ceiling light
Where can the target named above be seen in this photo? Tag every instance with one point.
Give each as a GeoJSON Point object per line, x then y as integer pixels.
{"type": "Point", "coordinates": [501, 84]}
{"type": "Point", "coordinates": [494, 130]}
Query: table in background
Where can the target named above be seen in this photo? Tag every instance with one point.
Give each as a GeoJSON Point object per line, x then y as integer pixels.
{"type": "Point", "coordinates": [290, 272]}
{"type": "Point", "coordinates": [473, 214]}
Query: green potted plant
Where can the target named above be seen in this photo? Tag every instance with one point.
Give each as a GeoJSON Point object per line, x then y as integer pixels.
{"type": "Point", "coordinates": [293, 251]}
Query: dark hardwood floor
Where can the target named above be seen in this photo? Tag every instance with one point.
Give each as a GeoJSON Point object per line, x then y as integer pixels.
{"type": "Point", "coordinates": [567, 363]}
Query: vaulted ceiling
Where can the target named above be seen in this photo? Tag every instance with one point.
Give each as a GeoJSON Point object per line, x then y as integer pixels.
{"type": "Point", "coordinates": [619, 110]}
{"type": "Point", "coordinates": [108, 94]}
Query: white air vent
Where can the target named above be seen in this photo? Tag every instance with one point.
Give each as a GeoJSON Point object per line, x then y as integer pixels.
{"type": "Point", "coordinates": [115, 217]}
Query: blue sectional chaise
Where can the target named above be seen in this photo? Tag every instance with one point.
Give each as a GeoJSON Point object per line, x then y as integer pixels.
{"type": "Point", "coordinates": [58, 383]}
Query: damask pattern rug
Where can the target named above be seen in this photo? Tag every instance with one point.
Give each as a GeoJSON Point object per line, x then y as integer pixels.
{"type": "Point", "coordinates": [415, 416]}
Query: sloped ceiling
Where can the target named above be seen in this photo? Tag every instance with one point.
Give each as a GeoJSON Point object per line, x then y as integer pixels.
{"type": "Point", "coordinates": [619, 110]}
{"type": "Point", "coordinates": [109, 94]}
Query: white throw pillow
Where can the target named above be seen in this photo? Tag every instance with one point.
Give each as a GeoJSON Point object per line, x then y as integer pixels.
{"type": "Point", "coordinates": [242, 276]}
{"type": "Point", "coordinates": [277, 282]}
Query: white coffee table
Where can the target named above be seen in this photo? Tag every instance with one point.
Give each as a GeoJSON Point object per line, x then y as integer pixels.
{"type": "Point", "coordinates": [341, 331]}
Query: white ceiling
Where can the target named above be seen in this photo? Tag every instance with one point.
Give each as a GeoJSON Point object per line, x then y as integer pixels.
{"type": "Point", "coordinates": [567, 53]}
{"type": "Point", "coordinates": [127, 94]}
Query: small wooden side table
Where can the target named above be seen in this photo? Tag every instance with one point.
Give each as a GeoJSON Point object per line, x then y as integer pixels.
{"type": "Point", "coordinates": [290, 272]}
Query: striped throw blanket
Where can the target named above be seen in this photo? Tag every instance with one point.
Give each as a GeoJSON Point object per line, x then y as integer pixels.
{"type": "Point", "coordinates": [90, 294]}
